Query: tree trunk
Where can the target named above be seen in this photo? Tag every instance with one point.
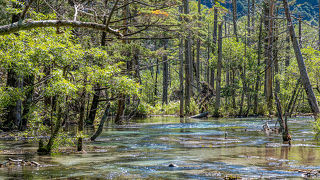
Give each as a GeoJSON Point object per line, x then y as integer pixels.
{"type": "Point", "coordinates": [233, 92]}
{"type": "Point", "coordinates": [249, 24]}
{"type": "Point", "coordinates": [12, 111]}
{"type": "Point", "coordinates": [294, 102]}
{"type": "Point", "coordinates": [122, 98]}
{"type": "Point", "coordinates": [81, 118]}
{"type": "Point", "coordinates": [120, 109]}
{"type": "Point", "coordinates": [48, 148]}
{"type": "Point", "coordinates": [257, 88]}
{"type": "Point", "coordinates": [283, 122]}
{"type": "Point", "coordinates": [165, 74]}
{"type": "Point", "coordinates": [293, 96]}
{"type": "Point", "coordinates": [188, 70]}
{"type": "Point", "coordinates": [96, 95]}
{"type": "Point", "coordinates": [234, 13]}
{"type": "Point", "coordinates": [269, 57]}
{"type": "Point", "coordinates": [29, 81]}
{"type": "Point", "coordinates": [94, 106]}
{"type": "Point", "coordinates": [302, 68]}
{"type": "Point", "coordinates": [208, 56]}
{"type": "Point", "coordinates": [219, 68]}
{"type": "Point", "coordinates": [198, 51]}
{"type": "Point", "coordinates": [300, 31]}
{"type": "Point", "coordinates": [275, 55]}
{"type": "Point", "coordinates": [253, 14]}
{"type": "Point", "coordinates": [101, 124]}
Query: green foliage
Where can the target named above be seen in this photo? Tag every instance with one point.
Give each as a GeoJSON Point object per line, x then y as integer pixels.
{"type": "Point", "coordinates": [316, 128]}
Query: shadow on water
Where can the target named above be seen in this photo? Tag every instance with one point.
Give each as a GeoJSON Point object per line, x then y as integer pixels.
{"type": "Point", "coordinates": [199, 149]}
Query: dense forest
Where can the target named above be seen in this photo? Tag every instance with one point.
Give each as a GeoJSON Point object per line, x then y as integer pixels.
{"type": "Point", "coordinates": [83, 62]}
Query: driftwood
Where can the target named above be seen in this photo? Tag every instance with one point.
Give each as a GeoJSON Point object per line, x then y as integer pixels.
{"type": "Point", "coordinates": [270, 130]}
{"type": "Point", "coordinates": [201, 115]}
{"type": "Point", "coordinates": [18, 162]}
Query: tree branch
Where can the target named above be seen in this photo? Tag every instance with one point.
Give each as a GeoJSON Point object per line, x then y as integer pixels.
{"type": "Point", "coordinates": [111, 12]}
{"type": "Point", "coordinates": [27, 25]}
{"type": "Point", "coordinates": [26, 9]}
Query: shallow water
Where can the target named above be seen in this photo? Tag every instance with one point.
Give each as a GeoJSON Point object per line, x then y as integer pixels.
{"type": "Point", "coordinates": [202, 149]}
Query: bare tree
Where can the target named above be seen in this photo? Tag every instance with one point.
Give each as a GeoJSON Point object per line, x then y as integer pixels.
{"type": "Point", "coordinates": [302, 67]}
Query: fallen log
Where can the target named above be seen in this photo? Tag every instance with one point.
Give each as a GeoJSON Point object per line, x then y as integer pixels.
{"type": "Point", "coordinates": [201, 115]}
{"type": "Point", "coordinates": [17, 162]}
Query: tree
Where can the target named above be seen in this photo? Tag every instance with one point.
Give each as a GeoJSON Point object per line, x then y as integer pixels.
{"type": "Point", "coordinates": [302, 68]}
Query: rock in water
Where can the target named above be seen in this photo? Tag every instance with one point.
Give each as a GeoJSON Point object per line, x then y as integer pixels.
{"type": "Point", "coordinates": [172, 165]}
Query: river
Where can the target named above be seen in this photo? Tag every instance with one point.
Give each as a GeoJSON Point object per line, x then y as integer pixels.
{"type": "Point", "coordinates": [200, 149]}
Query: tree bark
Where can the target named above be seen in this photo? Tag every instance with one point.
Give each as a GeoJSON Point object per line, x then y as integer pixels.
{"type": "Point", "coordinates": [302, 68]}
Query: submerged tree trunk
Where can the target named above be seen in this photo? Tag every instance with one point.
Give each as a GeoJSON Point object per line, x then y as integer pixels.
{"type": "Point", "coordinates": [283, 122]}
{"type": "Point", "coordinates": [302, 68]}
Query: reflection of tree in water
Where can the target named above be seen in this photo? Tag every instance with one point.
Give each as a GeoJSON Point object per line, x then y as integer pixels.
{"type": "Point", "coordinates": [284, 154]}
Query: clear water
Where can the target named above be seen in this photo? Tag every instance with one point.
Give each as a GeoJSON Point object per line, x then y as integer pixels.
{"type": "Point", "coordinates": [145, 148]}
